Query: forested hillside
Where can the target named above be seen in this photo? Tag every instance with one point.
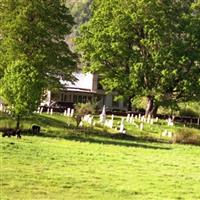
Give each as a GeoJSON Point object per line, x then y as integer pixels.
{"type": "Point", "coordinates": [80, 9]}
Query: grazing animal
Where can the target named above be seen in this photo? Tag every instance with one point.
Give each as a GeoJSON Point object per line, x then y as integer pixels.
{"type": "Point", "coordinates": [35, 129]}
{"type": "Point", "coordinates": [11, 132]}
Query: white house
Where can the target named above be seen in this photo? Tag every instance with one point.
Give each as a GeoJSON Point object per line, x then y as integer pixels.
{"type": "Point", "coordinates": [86, 88]}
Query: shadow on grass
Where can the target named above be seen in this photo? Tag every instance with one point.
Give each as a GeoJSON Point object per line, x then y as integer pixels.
{"type": "Point", "coordinates": [98, 137]}
{"type": "Point", "coordinates": [43, 120]}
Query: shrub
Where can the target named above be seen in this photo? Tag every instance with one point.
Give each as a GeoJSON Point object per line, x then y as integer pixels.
{"type": "Point", "coordinates": [188, 112]}
{"type": "Point", "coordinates": [83, 109]}
{"type": "Point", "coordinates": [186, 136]}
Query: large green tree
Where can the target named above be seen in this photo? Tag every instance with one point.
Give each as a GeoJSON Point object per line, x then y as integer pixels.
{"type": "Point", "coordinates": [33, 52]}
{"type": "Point", "coordinates": [144, 48]}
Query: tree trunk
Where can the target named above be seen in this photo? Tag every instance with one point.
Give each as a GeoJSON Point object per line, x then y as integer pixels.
{"type": "Point", "coordinates": [129, 103]}
{"type": "Point", "coordinates": [151, 108]}
{"type": "Point", "coordinates": [154, 110]}
{"type": "Point", "coordinates": [150, 105]}
{"type": "Point", "coordinates": [18, 122]}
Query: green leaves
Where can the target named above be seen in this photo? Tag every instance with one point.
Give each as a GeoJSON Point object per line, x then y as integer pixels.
{"type": "Point", "coordinates": [20, 87]}
{"type": "Point", "coordinates": [147, 47]}
{"type": "Point", "coordinates": [33, 52]}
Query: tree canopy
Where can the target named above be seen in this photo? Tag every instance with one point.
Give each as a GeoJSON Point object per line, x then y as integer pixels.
{"type": "Point", "coordinates": [144, 48]}
{"type": "Point", "coordinates": [33, 52]}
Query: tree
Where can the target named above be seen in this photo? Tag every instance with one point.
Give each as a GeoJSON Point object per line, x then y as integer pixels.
{"type": "Point", "coordinates": [144, 48]}
{"type": "Point", "coordinates": [20, 89]}
{"type": "Point", "coordinates": [33, 52]}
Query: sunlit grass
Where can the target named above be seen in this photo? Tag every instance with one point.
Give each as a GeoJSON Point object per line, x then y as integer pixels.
{"type": "Point", "coordinates": [65, 162]}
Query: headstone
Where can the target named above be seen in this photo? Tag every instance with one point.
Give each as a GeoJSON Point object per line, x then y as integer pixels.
{"type": "Point", "coordinates": [141, 126]}
{"type": "Point", "coordinates": [72, 113]}
{"type": "Point", "coordinates": [90, 120]}
{"type": "Point", "coordinates": [151, 121]}
{"type": "Point", "coordinates": [51, 111]}
{"type": "Point", "coordinates": [41, 110]}
{"type": "Point", "coordinates": [170, 122]}
{"type": "Point", "coordinates": [139, 117]}
{"type": "Point", "coordinates": [198, 121]}
{"type": "Point", "coordinates": [148, 119]}
{"type": "Point", "coordinates": [156, 119]}
{"type": "Point", "coordinates": [121, 129]}
{"type": "Point", "coordinates": [65, 113]}
{"type": "Point", "coordinates": [166, 133]}
{"type": "Point", "coordinates": [47, 110]}
{"type": "Point", "coordinates": [68, 112]}
{"type": "Point", "coordinates": [81, 124]}
{"type": "Point", "coordinates": [131, 119]}
{"type": "Point", "coordinates": [136, 116]}
{"type": "Point", "coordinates": [103, 115]}
{"type": "Point", "coordinates": [128, 118]}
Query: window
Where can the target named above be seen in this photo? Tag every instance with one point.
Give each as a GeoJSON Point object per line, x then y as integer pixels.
{"type": "Point", "coordinates": [84, 99]}
{"type": "Point", "coordinates": [70, 98]}
{"type": "Point", "coordinates": [89, 98]}
{"type": "Point", "coordinates": [80, 99]}
{"type": "Point", "coordinates": [62, 97]}
{"type": "Point", "coordinates": [75, 100]}
{"type": "Point", "coordinates": [65, 98]}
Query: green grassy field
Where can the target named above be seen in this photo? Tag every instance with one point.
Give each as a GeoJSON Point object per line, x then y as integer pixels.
{"type": "Point", "coordinates": [64, 162]}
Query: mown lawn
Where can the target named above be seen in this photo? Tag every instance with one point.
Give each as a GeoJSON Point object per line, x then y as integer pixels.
{"type": "Point", "coordinates": [56, 165]}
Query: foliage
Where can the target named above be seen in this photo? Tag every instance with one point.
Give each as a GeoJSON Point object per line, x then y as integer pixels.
{"type": "Point", "coordinates": [190, 109]}
{"type": "Point", "coordinates": [20, 88]}
{"type": "Point", "coordinates": [144, 48]}
{"type": "Point", "coordinates": [82, 109]}
{"type": "Point", "coordinates": [33, 53]}
{"type": "Point", "coordinates": [186, 136]}
{"type": "Point", "coordinates": [188, 112]}
{"type": "Point", "coordinates": [80, 10]}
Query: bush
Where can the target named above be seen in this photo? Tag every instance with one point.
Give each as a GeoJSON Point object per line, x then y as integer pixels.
{"type": "Point", "coordinates": [188, 112]}
{"type": "Point", "coordinates": [186, 136]}
{"type": "Point", "coordinates": [83, 109]}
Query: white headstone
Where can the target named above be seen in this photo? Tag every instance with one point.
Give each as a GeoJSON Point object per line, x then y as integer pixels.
{"type": "Point", "coordinates": [72, 113]}
{"type": "Point", "coordinates": [141, 126]}
{"type": "Point", "coordinates": [65, 112]}
{"type": "Point", "coordinates": [170, 122]}
{"type": "Point", "coordinates": [81, 124]}
{"type": "Point", "coordinates": [131, 119]}
{"type": "Point", "coordinates": [121, 129]}
{"type": "Point", "coordinates": [47, 110]}
{"type": "Point", "coordinates": [103, 115]}
{"type": "Point", "coordinates": [156, 119]}
{"type": "Point", "coordinates": [41, 110]}
{"type": "Point", "coordinates": [51, 111]}
{"type": "Point", "coordinates": [128, 118]}
{"type": "Point", "coordinates": [198, 121]}
{"type": "Point", "coordinates": [90, 120]}
{"type": "Point", "coordinates": [148, 119]}
{"type": "Point", "coordinates": [164, 133]}
{"type": "Point", "coordinates": [68, 112]}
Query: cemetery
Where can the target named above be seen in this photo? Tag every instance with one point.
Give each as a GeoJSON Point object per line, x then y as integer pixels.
{"type": "Point", "coordinates": [131, 152]}
{"type": "Point", "coordinates": [99, 100]}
